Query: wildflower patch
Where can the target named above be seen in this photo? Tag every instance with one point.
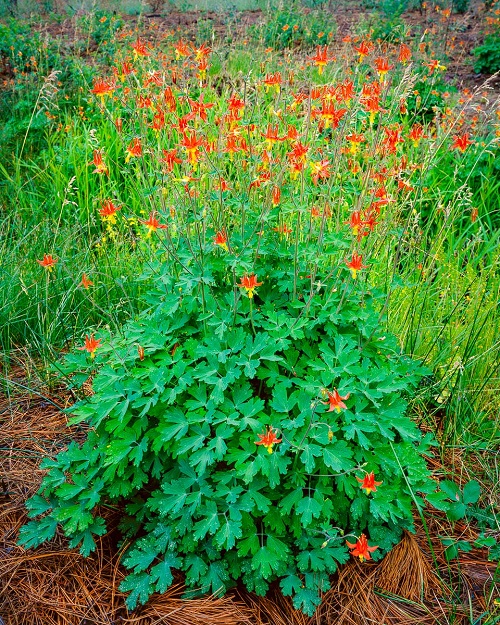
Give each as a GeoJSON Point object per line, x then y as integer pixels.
{"type": "Point", "coordinates": [251, 421]}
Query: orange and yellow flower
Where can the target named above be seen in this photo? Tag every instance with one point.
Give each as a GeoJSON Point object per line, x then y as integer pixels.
{"type": "Point", "coordinates": [221, 240]}
{"type": "Point", "coordinates": [48, 262]}
{"type": "Point", "coordinates": [108, 211]}
{"type": "Point", "coordinates": [103, 88]}
{"type": "Point", "coordinates": [140, 49]}
{"type": "Point", "coordinates": [368, 483]}
{"type": "Point", "coordinates": [321, 58]}
{"type": "Point", "coordinates": [461, 142]}
{"type": "Point", "coordinates": [364, 49]}
{"type": "Point", "coordinates": [249, 283]}
{"type": "Point", "coordinates": [404, 53]}
{"type": "Point", "coordinates": [134, 149]}
{"type": "Point", "coordinates": [99, 164]}
{"type": "Point", "coordinates": [382, 66]}
{"type": "Point", "coordinates": [268, 439]}
{"type": "Point", "coordinates": [361, 549]}
{"type": "Point", "coordinates": [153, 224]}
{"type": "Point", "coordinates": [85, 281]}
{"type": "Point", "coordinates": [335, 400]}
{"type": "Point", "coordinates": [191, 143]}
{"type": "Point", "coordinates": [355, 264]}
{"type": "Point", "coordinates": [91, 345]}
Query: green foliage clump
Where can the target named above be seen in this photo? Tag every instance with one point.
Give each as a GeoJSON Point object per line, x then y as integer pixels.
{"type": "Point", "coordinates": [102, 26]}
{"type": "Point", "coordinates": [488, 54]}
{"type": "Point", "coordinates": [99, 29]}
{"type": "Point", "coordinates": [294, 26]}
{"type": "Point", "coordinates": [392, 30]}
{"type": "Point", "coordinates": [184, 394]}
{"type": "Point", "coordinates": [205, 30]}
{"type": "Point", "coordinates": [23, 50]}
{"type": "Point", "coordinates": [461, 6]}
{"type": "Point", "coordinates": [428, 97]}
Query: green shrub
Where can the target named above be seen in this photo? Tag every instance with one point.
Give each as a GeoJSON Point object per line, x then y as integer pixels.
{"type": "Point", "coordinates": [295, 26]}
{"type": "Point", "coordinates": [204, 30]}
{"type": "Point", "coordinates": [183, 396]}
{"type": "Point", "coordinates": [488, 55]}
{"type": "Point", "coordinates": [392, 30]}
{"type": "Point", "coordinates": [461, 6]}
{"type": "Point", "coordinates": [428, 97]}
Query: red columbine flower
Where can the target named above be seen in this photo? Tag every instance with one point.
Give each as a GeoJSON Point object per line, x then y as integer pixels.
{"type": "Point", "coordinates": [140, 49]}
{"type": "Point", "coordinates": [357, 224]}
{"type": "Point", "coordinates": [268, 440]}
{"type": "Point", "coordinates": [321, 59]}
{"type": "Point", "coordinates": [364, 49]}
{"type": "Point", "coordinates": [48, 262]}
{"type": "Point", "coordinates": [98, 162]}
{"type": "Point", "coordinates": [170, 158]}
{"type": "Point", "coordinates": [103, 88]}
{"type": "Point", "coordinates": [404, 53]}
{"type": "Point", "coordinates": [233, 145]}
{"type": "Point", "coordinates": [273, 80]}
{"type": "Point", "coordinates": [320, 170]}
{"type": "Point", "coordinates": [221, 240]}
{"type": "Point", "coordinates": [108, 211]}
{"type": "Point", "coordinates": [202, 52]}
{"type": "Point", "coordinates": [202, 69]}
{"type": "Point", "coordinates": [382, 66]}
{"type": "Point", "coordinates": [276, 196]}
{"type": "Point", "coordinates": [200, 108]}
{"type": "Point", "coordinates": [355, 140]}
{"type": "Point", "coordinates": [355, 264]}
{"type": "Point", "coordinates": [86, 282]}
{"type": "Point", "coordinates": [169, 98]}
{"type": "Point", "coordinates": [182, 49]}
{"type": "Point", "coordinates": [91, 344]}
{"type": "Point", "coordinates": [392, 138]}
{"type": "Point", "coordinates": [158, 120]}
{"type": "Point", "coordinates": [461, 142]}
{"type": "Point", "coordinates": [371, 104]}
{"type": "Point", "coordinates": [361, 548]}
{"type": "Point", "coordinates": [192, 144]}
{"type": "Point", "coordinates": [235, 103]}
{"type": "Point", "coordinates": [298, 153]}
{"type": "Point", "coordinates": [249, 283]}
{"type": "Point", "coordinates": [153, 224]}
{"type": "Point", "coordinates": [335, 400]}
{"type": "Point", "coordinates": [433, 65]}
{"type": "Point", "coordinates": [329, 114]}
{"type": "Point", "coordinates": [134, 149]}
{"type": "Point", "coordinates": [125, 71]}
{"type": "Point", "coordinates": [271, 135]}
{"type": "Point", "coordinates": [417, 134]}
{"type": "Point", "coordinates": [368, 483]}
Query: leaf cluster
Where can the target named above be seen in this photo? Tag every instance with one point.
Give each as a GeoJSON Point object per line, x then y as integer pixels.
{"type": "Point", "coordinates": [174, 427]}
{"type": "Point", "coordinates": [488, 54]}
{"type": "Point", "coordinates": [294, 26]}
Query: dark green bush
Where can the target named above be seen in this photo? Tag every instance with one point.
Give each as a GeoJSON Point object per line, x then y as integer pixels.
{"type": "Point", "coordinates": [488, 55]}
{"type": "Point", "coordinates": [183, 397]}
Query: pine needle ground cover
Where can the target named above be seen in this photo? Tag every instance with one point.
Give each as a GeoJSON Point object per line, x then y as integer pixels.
{"type": "Point", "coordinates": [259, 261]}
